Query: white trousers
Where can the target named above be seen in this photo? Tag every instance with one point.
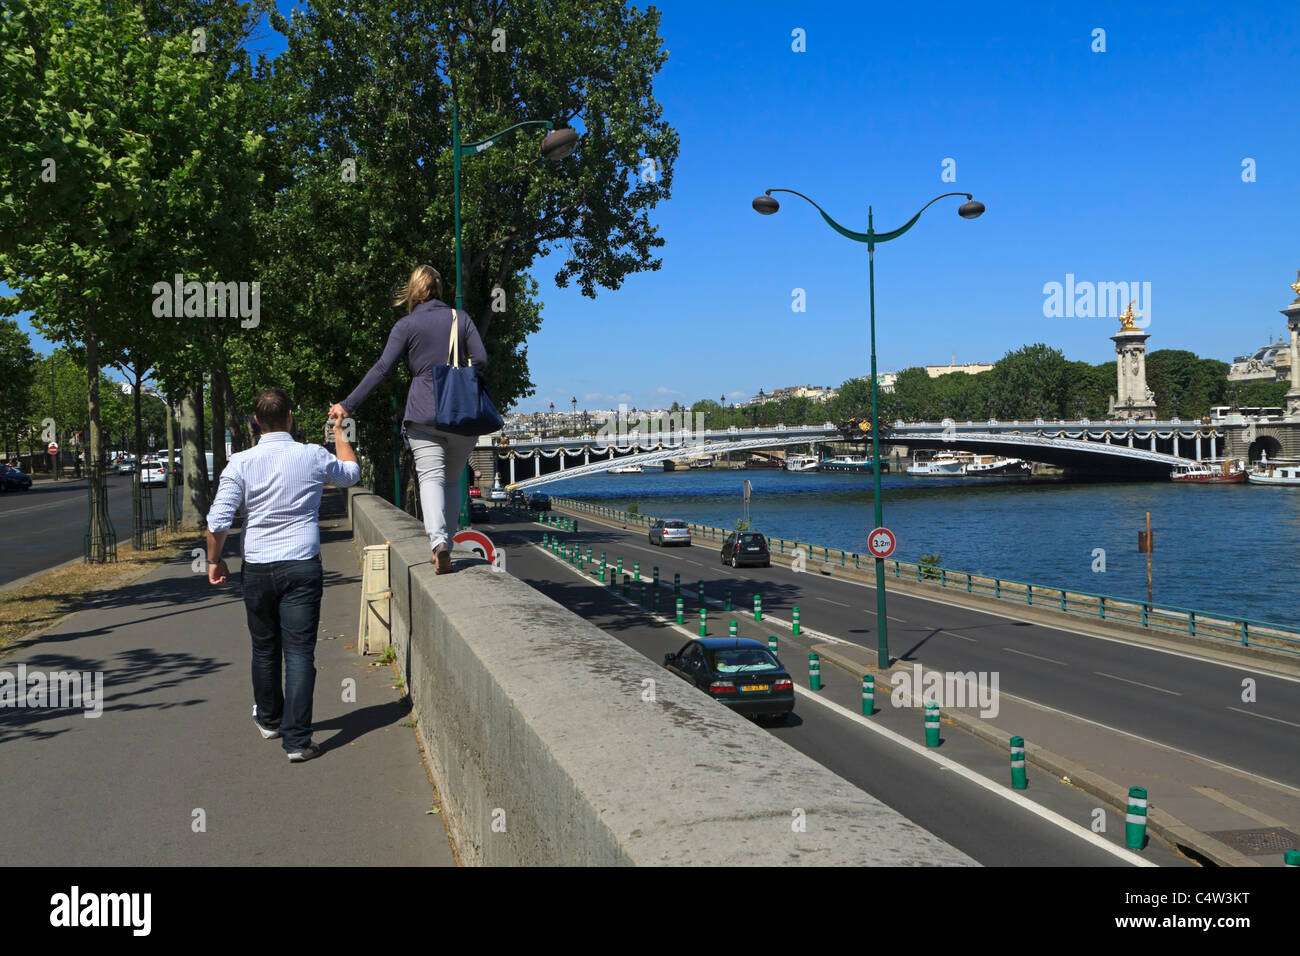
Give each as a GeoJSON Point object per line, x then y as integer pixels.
{"type": "Point", "coordinates": [439, 462]}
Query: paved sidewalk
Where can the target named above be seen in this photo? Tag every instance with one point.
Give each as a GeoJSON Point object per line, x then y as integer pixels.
{"type": "Point", "coordinates": [176, 737]}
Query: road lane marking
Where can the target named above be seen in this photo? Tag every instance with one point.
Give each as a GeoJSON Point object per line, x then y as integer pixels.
{"type": "Point", "coordinates": [1012, 796]}
{"type": "Point", "coordinates": [1249, 713]}
{"type": "Point", "coordinates": [696, 563]}
{"type": "Point", "coordinates": [1037, 657]}
{"type": "Point", "coordinates": [944, 763]}
{"type": "Point", "coordinates": [829, 601]}
{"type": "Point", "coordinates": [1139, 683]}
{"type": "Point", "coordinates": [960, 637]}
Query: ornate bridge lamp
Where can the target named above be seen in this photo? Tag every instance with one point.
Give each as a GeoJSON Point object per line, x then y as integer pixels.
{"type": "Point", "coordinates": [556, 145]}
{"type": "Point", "coordinates": [970, 209]}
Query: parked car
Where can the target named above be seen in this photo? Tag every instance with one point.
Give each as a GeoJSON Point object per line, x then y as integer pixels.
{"type": "Point", "coordinates": [478, 511]}
{"type": "Point", "coordinates": [540, 502]}
{"type": "Point", "coordinates": [11, 479]}
{"type": "Point", "coordinates": [735, 671]}
{"type": "Point", "coordinates": [497, 494]}
{"type": "Point", "coordinates": [475, 491]}
{"type": "Point", "coordinates": [670, 531]}
{"type": "Point", "coordinates": [746, 548]}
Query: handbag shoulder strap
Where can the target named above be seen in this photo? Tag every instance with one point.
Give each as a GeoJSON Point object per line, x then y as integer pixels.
{"type": "Point", "coordinates": [453, 346]}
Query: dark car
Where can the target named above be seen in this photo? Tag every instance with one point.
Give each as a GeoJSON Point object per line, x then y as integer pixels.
{"type": "Point", "coordinates": [11, 479]}
{"type": "Point", "coordinates": [746, 547]}
{"type": "Point", "coordinates": [738, 672]}
{"type": "Point", "coordinates": [478, 511]}
{"type": "Point", "coordinates": [518, 499]}
{"type": "Point", "coordinates": [540, 502]}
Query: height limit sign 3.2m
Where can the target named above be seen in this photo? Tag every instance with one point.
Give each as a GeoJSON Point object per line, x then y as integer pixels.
{"type": "Point", "coordinates": [881, 543]}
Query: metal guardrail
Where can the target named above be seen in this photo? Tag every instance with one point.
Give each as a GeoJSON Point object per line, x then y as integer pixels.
{"type": "Point", "coordinates": [1245, 632]}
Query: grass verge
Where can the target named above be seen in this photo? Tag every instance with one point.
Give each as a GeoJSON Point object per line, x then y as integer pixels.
{"type": "Point", "coordinates": [42, 601]}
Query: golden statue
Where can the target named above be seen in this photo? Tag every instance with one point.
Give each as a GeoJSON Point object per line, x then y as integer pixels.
{"type": "Point", "coordinates": [1296, 286]}
{"type": "Point", "coordinates": [1126, 323]}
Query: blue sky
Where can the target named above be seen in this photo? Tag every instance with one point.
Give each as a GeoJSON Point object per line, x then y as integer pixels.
{"type": "Point", "coordinates": [1117, 166]}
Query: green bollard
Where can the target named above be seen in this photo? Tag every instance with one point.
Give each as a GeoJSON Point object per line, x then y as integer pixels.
{"type": "Point", "coordinates": [681, 618]}
{"type": "Point", "coordinates": [1018, 779]}
{"type": "Point", "coordinates": [641, 593]}
{"type": "Point", "coordinates": [620, 560]}
{"type": "Point", "coordinates": [589, 549]}
{"type": "Point", "coordinates": [656, 572]}
{"type": "Point", "coordinates": [636, 570]}
{"type": "Point", "coordinates": [1291, 858]}
{"type": "Point", "coordinates": [932, 723]}
{"type": "Point", "coordinates": [1135, 823]}
{"type": "Point", "coordinates": [868, 695]}
{"type": "Point", "coordinates": [543, 533]}
{"type": "Point", "coordinates": [677, 583]}
{"type": "Point", "coordinates": [758, 608]}
{"type": "Point", "coordinates": [814, 671]}
{"type": "Point", "coordinates": [795, 613]}
{"type": "Point", "coordinates": [731, 629]}
{"type": "Point", "coordinates": [602, 554]}
{"type": "Point", "coordinates": [771, 644]}
{"type": "Point", "coordinates": [654, 598]}
{"type": "Point", "coordinates": [728, 599]}
{"type": "Point", "coordinates": [626, 579]}
{"type": "Point", "coordinates": [703, 622]}
{"type": "Point", "coordinates": [602, 567]}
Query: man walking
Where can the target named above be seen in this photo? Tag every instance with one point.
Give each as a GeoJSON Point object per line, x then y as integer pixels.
{"type": "Point", "coordinates": [279, 483]}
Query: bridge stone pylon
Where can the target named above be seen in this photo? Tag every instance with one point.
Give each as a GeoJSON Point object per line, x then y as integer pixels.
{"type": "Point", "coordinates": [1134, 400]}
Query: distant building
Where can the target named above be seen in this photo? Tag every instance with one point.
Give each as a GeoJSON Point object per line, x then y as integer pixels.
{"type": "Point", "coordinates": [970, 368]}
{"type": "Point", "coordinates": [818, 393]}
{"type": "Point", "coordinates": [1269, 363]}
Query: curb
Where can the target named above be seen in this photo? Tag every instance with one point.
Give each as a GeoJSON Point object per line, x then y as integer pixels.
{"type": "Point", "coordinates": [1161, 822]}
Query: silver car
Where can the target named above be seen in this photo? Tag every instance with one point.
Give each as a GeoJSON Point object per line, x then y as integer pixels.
{"type": "Point", "coordinates": [670, 531]}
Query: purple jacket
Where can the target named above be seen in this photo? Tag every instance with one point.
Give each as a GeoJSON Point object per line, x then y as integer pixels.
{"type": "Point", "coordinates": [422, 336]}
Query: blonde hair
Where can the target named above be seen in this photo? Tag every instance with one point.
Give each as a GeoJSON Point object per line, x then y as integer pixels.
{"type": "Point", "coordinates": [425, 284]}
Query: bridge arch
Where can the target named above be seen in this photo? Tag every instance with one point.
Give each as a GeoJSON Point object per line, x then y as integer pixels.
{"type": "Point", "coordinates": [1264, 445]}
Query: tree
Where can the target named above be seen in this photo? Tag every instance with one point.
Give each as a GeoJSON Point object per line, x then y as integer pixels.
{"type": "Point", "coordinates": [17, 372]}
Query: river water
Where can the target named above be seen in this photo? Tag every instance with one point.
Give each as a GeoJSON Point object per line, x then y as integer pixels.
{"type": "Point", "coordinates": [1226, 549]}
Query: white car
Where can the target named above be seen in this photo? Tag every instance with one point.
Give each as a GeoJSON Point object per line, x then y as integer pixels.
{"type": "Point", "coordinates": [126, 466]}
{"type": "Point", "coordinates": [153, 471]}
{"type": "Point", "coordinates": [497, 494]}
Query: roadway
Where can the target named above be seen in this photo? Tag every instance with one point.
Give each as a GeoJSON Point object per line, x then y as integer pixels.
{"type": "Point", "coordinates": [1179, 700]}
{"type": "Point", "coordinates": [958, 791]}
{"type": "Point", "coordinates": [44, 526]}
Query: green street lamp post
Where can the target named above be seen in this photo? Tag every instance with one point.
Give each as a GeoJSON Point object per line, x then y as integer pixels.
{"type": "Point", "coordinates": [557, 144]}
{"type": "Point", "coordinates": [971, 209]}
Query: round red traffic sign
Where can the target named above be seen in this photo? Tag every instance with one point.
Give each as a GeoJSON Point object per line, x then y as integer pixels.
{"type": "Point", "coordinates": [881, 543]}
{"type": "Point", "coordinates": [54, 448]}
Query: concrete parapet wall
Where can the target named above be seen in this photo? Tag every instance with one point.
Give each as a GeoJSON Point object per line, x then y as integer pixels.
{"type": "Point", "coordinates": [546, 751]}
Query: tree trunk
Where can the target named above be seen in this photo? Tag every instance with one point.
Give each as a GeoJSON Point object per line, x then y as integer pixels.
{"type": "Point", "coordinates": [173, 516]}
{"type": "Point", "coordinates": [241, 435]}
{"type": "Point", "coordinates": [194, 466]}
{"type": "Point", "coordinates": [218, 394]}
{"type": "Point", "coordinates": [98, 530]}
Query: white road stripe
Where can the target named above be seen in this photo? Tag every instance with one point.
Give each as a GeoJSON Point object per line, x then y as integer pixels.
{"type": "Point", "coordinates": [829, 601]}
{"type": "Point", "coordinates": [960, 637]}
{"type": "Point", "coordinates": [1035, 656]}
{"type": "Point", "coordinates": [1250, 713]}
{"type": "Point", "coordinates": [1139, 684]}
{"type": "Point", "coordinates": [944, 763]}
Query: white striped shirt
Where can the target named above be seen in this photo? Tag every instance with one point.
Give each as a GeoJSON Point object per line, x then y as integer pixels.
{"type": "Point", "coordinates": [279, 483]}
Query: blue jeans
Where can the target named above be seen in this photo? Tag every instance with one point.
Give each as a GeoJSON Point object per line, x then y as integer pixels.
{"type": "Point", "coordinates": [282, 600]}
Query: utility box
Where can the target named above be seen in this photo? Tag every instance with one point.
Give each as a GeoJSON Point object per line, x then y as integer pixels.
{"type": "Point", "coordinates": [373, 634]}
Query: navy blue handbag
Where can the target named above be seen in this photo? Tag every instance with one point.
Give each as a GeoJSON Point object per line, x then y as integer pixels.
{"type": "Point", "coordinates": [462, 403]}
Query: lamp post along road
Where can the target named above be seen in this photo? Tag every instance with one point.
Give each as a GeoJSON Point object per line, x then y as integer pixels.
{"type": "Point", "coordinates": [971, 209]}
{"type": "Point", "coordinates": [557, 144]}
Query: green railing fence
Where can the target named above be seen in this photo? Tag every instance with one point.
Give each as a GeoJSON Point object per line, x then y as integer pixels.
{"type": "Point", "coordinates": [1245, 632]}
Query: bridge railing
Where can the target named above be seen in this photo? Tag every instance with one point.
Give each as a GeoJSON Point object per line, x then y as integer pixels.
{"type": "Point", "coordinates": [1245, 632]}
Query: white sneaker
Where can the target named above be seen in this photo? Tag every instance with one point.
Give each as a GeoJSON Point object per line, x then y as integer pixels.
{"type": "Point", "coordinates": [267, 733]}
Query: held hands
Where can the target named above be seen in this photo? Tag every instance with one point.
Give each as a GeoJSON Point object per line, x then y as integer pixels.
{"type": "Point", "coordinates": [337, 414]}
{"type": "Point", "coordinates": [217, 573]}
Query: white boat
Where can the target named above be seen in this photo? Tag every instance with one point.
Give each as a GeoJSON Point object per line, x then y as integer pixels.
{"type": "Point", "coordinates": [852, 463]}
{"type": "Point", "coordinates": [699, 464]}
{"type": "Point", "coordinates": [1275, 475]}
{"type": "Point", "coordinates": [801, 463]}
{"type": "Point", "coordinates": [943, 464]}
{"type": "Point", "coordinates": [624, 470]}
{"type": "Point", "coordinates": [995, 466]}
